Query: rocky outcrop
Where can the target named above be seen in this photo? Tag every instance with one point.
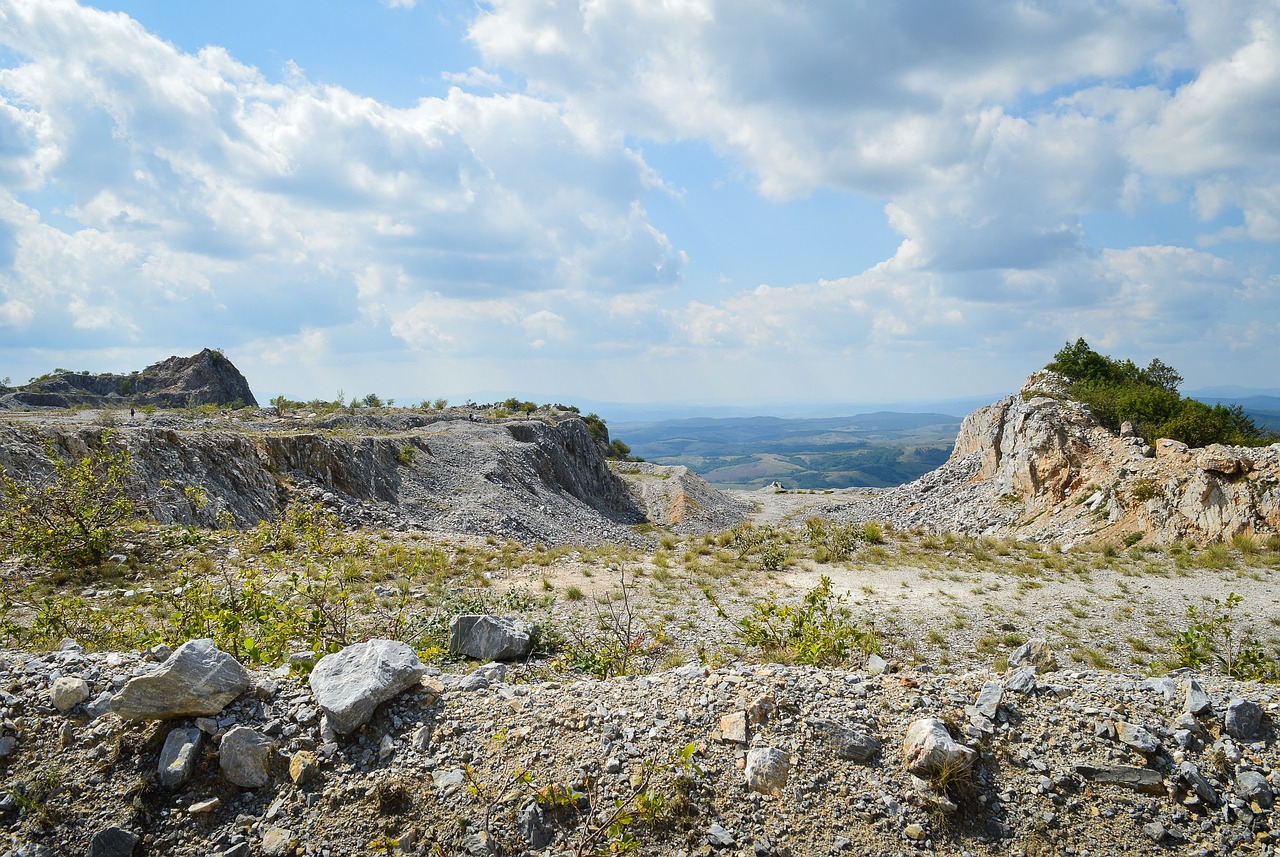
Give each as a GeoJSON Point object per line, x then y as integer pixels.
{"type": "Point", "coordinates": [1040, 466]}
{"type": "Point", "coordinates": [207, 378]}
{"type": "Point", "coordinates": [532, 480]}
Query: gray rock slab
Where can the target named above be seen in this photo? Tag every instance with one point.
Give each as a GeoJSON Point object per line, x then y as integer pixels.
{"type": "Point", "coordinates": [1142, 780]}
{"type": "Point", "coordinates": [178, 756]}
{"type": "Point", "coordinates": [1022, 680]}
{"type": "Point", "coordinates": [245, 757]}
{"type": "Point", "coordinates": [844, 742]}
{"type": "Point", "coordinates": [1133, 735]}
{"type": "Point", "coordinates": [1196, 701]}
{"type": "Point", "coordinates": [1254, 788]}
{"type": "Point", "coordinates": [989, 697]}
{"type": "Point", "coordinates": [196, 680]}
{"type": "Point", "coordinates": [1196, 782]}
{"type": "Point", "coordinates": [349, 685]}
{"type": "Point", "coordinates": [113, 842]}
{"type": "Point", "coordinates": [490, 638]}
{"type": "Point", "coordinates": [1244, 719]}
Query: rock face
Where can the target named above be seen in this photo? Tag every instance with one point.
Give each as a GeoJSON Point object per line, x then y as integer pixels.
{"type": "Point", "coordinates": [676, 497]}
{"type": "Point", "coordinates": [1039, 466]}
{"type": "Point", "coordinates": [351, 683]}
{"type": "Point", "coordinates": [195, 681]}
{"type": "Point", "coordinates": [533, 480]}
{"type": "Point", "coordinates": [207, 378]}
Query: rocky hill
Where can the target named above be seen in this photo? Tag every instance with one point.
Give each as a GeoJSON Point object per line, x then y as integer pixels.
{"type": "Point", "coordinates": [207, 378]}
{"type": "Point", "coordinates": [533, 480]}
{"type": "Point", "coordinates": [1037, 465]}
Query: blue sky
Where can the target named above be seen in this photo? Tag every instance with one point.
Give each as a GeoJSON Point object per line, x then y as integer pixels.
{"type": "Point", "coordinates": [721, 201]}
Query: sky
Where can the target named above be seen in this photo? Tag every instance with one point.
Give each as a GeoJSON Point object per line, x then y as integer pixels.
{"type": "Point", "coordinates": [746, 202]}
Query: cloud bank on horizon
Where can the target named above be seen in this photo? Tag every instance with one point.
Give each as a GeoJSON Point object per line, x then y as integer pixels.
{"type": "Point", "coordinates": [626, 200]}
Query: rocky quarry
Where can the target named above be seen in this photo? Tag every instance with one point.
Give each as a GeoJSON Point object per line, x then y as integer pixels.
{"type": "Point", "coordinates": [187, 751]}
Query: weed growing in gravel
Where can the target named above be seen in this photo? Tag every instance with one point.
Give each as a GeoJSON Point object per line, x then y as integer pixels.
{"type": "Point", "coordinates": [819, 630]}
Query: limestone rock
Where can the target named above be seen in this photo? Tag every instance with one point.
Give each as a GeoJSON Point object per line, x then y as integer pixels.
{"type": "Point", "coordinates": [349, 685]}
{"type": "Point", "coordinates": [1022, 680]}
{"type": "Point", "coordinates": [767, 770]}
{"type": "Point", "coordinates": [245, 757]}
{"type": "Point", "coordinates": [534, 826]}
{"type": "Point", "coordinates": [304, 768]}
{"type": "Point", "coordinates": [1244, 719]}
{"type": "Point", "coordinates": [1222, 459]}
{"type": "Point", "coordinates": [928, 750]}
{"type": "Point", "coordinates": [67, 692]}
{"type": "Point", "coordinates": [113, 842]}
{"type": "Point", "coordinates": [1142, 780]}
{"type": "Point", "coordinates": [988, 702]}
{"type": "Point", "coordinates": [844, 742]}
{"type": "Point", "coordinates": [277, 842]}
{"type": "Point", "coordinates": [1190, 775]}
{"type": "Point", "coordinates": [1254, 788]}
{"type": "Point", "coordinates": [1036, 653]}
{"type": "Point", "coordinates": [196, 680]}
{"type": "Point", "coordinates": [1133, 735]}
{"type": "Point", "coordinates": [179, 755]}
{"type": "Point", "coordinates": [490, 638]}
{"type": "Point", "coordinates": [733, 728]}
{"type": "Point", "coordinates": [204, 378]}
{"type": "Point", "coordinates": [1197, 701]}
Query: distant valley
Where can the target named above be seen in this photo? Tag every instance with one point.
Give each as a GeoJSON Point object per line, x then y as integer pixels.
{"type": "Point", "coordinates": [876, 449]}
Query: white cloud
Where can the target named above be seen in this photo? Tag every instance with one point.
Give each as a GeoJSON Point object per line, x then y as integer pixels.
{"type": "Point", "coordinates": [149, 194]}
{"type": "Point", "coordinates": [195, 181]}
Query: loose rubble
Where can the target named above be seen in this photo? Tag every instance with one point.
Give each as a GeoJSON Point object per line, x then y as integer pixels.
{"type": "Point", "coordinates": [760, 759]}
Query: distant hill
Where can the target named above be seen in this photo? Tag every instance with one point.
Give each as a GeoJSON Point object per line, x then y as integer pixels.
{"type": "Point", "coordinates": [878, 449]}
{"type": "Point", "coordinates": [206, 378]}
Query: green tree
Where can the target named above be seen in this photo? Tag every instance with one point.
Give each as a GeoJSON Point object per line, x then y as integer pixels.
{"type": "Point", "coordinates": [75, 517]}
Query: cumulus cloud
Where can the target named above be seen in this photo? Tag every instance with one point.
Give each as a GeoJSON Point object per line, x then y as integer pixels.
{"type": "Point", "coordinates": [195, 186]}
{"type": "Point", "coordinates": [991, 131]}
{"type": "Point", "coordinates": [152, 194]}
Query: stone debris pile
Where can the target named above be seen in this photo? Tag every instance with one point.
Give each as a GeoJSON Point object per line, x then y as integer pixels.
{"type": "Point", "coordinates": [377, 747]}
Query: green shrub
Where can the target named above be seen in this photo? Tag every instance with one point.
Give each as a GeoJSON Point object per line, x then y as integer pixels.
{"type": "Point", "coordinates": [1117, 390]}
{"type": "Point", "coordinates": [1212, 637]}
{"type": "Point", "coordinates": [819, 630]}
{"type": "Point", "coordinates": [76, 517]}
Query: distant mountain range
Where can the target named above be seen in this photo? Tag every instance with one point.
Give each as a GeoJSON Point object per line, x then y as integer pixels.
{"type": "Point", "coordinates": [875, 449]}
